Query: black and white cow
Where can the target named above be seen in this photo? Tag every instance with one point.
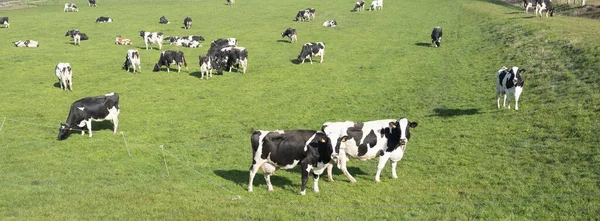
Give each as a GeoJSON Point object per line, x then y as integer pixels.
{"type": "Point", "coordinates": [377, 5]}
{"type": "Point", "coordinates": [83, 36]}
{"type": "Point", "coordinates": [529, 4]}
{"type": "Point", "coordinates": [4, 21]}
{"type": "Point", "coordinates": [132, 59]}
{"type": "Point", "coordinates": [303, 15]}
{"type": "Point", "coordinates": [92, 3]}
{"type": "Point", "coordinates": [163, 20]}
{"type": "Point", "coordinates": [272, 150]}
{"type": "Point", "coordinates": [544, 5]}
{"type": "Point", "coordinates": [509, 81]}
{"type": "Point", "coordinates": [171, 57]}
{"type": "Point", "coordinates": [231, 2]}
{"type": "Point", "coordinates": [312, 49]}
{"type": "Point", "coordinates": [359, 6]}
{"type": "Point", "coordinates": [86, 110]}
{"type": "Point", "coordinates": [222, 42]}
{"type": "Point", "coordinates": [64, 73]}
{"type": "Point", "coordinates": [385, 139]}
{"type": "Point", "coordinates": [103, 19]}
{"type": "Point", "coordinates": [291, 34]}
{"type": "Point", "coordinates": [311, 13]}
{"type": "Point", "coordinates": [152, 37]}
{"type": "Point", "coordinates": [187, 23]}
{"type": "Point", "coordinates": [330, 23]}
{"type": "Point", "coordinates": [27, 43]}
{"type": "Point", "coordinates": [76, 37]}
{"type": "Point", "coordinates": [71, 7]}
{"type": "Point", "coordinates": [206, 66]}
{"type": "Point", "coordinates": [436, 37]}
{"type": "Point", "coordinates": [236, 56]}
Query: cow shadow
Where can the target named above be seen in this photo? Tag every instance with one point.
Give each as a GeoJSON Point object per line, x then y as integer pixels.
{"type": "Point", "coordinates": [510, 13]}
{"type": "Point", "coordinates": [57, 85]}
{"type": "Point", "coordinates": [241, 178]}
{"type": "Point", "coordinates": [527, 17]}
{"type": "Point", "coordinates": [286, 41]}
{"type": "Point", "coordinates": [448, 112]}
{"type": "Point", "coordinates": [423, 44]}
{"type": "Point", "coordinates": [198, 75]}
{"type": "Point", "coordinates": [295, 61]}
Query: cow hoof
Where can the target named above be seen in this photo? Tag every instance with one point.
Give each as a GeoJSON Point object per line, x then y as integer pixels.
{"type": "Point", "coordinates": [302, 193]}
{"type": "Point", "coordinates": [352, 181]}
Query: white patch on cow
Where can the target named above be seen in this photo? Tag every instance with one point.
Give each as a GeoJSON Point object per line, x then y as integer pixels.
{"type": "Point", "coordinates": [81, 108]}
{"type": "Point", "coordinates": [110, 94]}
{"type": "Point", "coordinates": [309, 141]}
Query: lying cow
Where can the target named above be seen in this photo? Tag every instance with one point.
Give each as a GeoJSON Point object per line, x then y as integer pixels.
{"type": "Point", "coordinates": [359, 6]}
{"type": "Point", "coordinates": [86, 110]}
{"type": "Point", "coordinates": [4, 21]}
{"type": "Point", "coordinates": [509, 81]}
{"type": "Point", "coordinates": [163, 20]}
{"type": "Point", "coordinates": [27, 43]}
{"type": "Point", "coordinates": [70, 7]}
{"type": "Point", "coordinates": [64, 75]}
{"type": "Point", "coordinates": [436, 37]}
{"type": "Point", "coordinates": [312, 49]}
{"type": "Point", "coordinates": [103, 19]}
{"type": "Point", "coordinates": [132, 59]}
{"type": "Point", "coordinates": [152, 37]}
{"type": "Point", "coordinates": [542, 5]}
{"type": "Point", "coordinates": [377, 5]}
{"type": "Point", "coordinates": [291, 34]}
{"type": "Point", "coordinates": [92, 3]}
{"type": "Point", "coordinates": [122, 41]}
{"type": "Point", "coordinates": [330, 23]}
{"type": "Point", "coordinates": [83, 36]}
{"type": "Point", "coordinates": [192, 44]}
{"type": "Point", "coordinates": [272, 150]}
{"type": "Point", "coordinates": [171, 57]}
{"type": "Point", "coordinates": [385, 139]}
{"type": "Point", "coordinates": [187, 23]}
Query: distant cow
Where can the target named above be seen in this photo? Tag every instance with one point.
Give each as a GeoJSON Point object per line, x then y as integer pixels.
{"type": "Point", "coordinates": [83, 36]}
{"type": "Point", "coordinates": [27, 43]}
{"type": "Point", "coordinates": [359, 6]}
{"type": "Point", "coordinates": [206, 66]}
{"type": "Point", "coordinates": [330, 23]}
{"type": "Point", "coordinates": [231, 2]}
{"type": "Point", "coordinates": [132, 60]}
{"type": "Point", "coordinates": [385, 139]}
{"type": "Point", "coordinates": [303, 15]}
{"type": "Point", "coordinates": [221, 42]}
{"type": "Point", "coordinates": [64, 75]}
{"type": "Point", "coordinates": [92, 3]}
{"type": "Point", "coordinates": [163, 20]}
{"type": "Point", "coordinates": [86, 110]}
{"type": "Point", "coordinates": [311, 13]}
{"type": "Point", "coordinates": [312, 49]}
{"type": "Point", "coordinates": [122, 41]}
{"type": "Point", "coordinates": [272, 150]}
{"type": "Point", "coordinates": [103, 19]}
{"type": "Point", "coordinates": [436, 37]}
{"type": "Point", "coordinates": [544, 5]}
{"type": "Point", "coordinates": [509, 81]}
{"type": "Point", "coordinates": [236, 56]}
{"type": "Point", "coordinates": [152, 37]}
{"type": "Point", "coordinates": [377, 5]}
{"type": "Point", "coordinates": [291, 34]}
{"type": "Point", "coordinates": [187, 22]}
{"type": "Point", "coordinates": [76, 37]}
{"type": "Point", "coordinates": [71, 7]}
{"type": "Point", "coordinates": [192, 44]}
{"type": "Point", "coordinates": [4, 21]}
{"type": "Point", "coordinates": [171, 57]}
{"type": "Point", "coordinates": [529, 4]}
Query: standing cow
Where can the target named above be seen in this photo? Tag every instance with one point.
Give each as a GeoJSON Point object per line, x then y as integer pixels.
{"type": "Point", "coordinates": [187, 23]}
{"type": "Point", "coordinates": [359, 6]}
{"type": "Point", "coordinates": [82, 35]}
{"type": "Point", "coordinates": [206, 66]}
{"type": "Point", "coordinates": [71, 7]}
{"type": "Point", "coordinates": [152, 37]}
{"type": "Point", "coordinates": [92, 3]}
{"type": "Point", "coordinates": [4, 21]}
{"type": "Point", "coordinates": [163, 20]}
{"type": "Point", "coordinates": [436, 37]}
{"type": "Point", "coordinates": [385, 139]}
{"type": "Point", "coordinates": [132, 59]}
{"type": "Point", "coordinates": [377, 5]}
{"type": "Point", "coordinates": [542, 5]}
{"type": "Point", "coordinates": [272, 150]}
{"type": "Point", "coordinates": [171, 57]}
{"type": "Point", "coordinates": [312, 49]}
{"type": "Point", "coordinates": [86, 110]}
{"type": "Point", "coordinates": [76, 37]}
{"type": "Point", "coordinates": [291, 34]}
{"type": "Point", "coordinates": [64, 73]}
{"type": "Point", "coordinates": [509, 81]}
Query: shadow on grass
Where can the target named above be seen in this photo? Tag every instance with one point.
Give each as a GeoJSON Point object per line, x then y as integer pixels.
{"type": "Point", "coordinates": [241, 178]}
{"type": "Point", "coordinates": [286, 41]}
{"type": "Point", "coordinates": [445, 112]}
{"type": "Point", "coordinates": [528, 17]}
{"type": "Point", "coordinates": [423, 44]}
{"type": "Point", "coordinates": [295, 61]}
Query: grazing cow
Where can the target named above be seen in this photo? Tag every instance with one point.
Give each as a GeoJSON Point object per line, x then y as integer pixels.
{"type": "Point", "coordinates": [152, 37]}
{"type": "Point", "coordinates": [86, 110]}
{"type": "Point", "coordinates": [359, 6]}
{"type": "Point", "coordinates": [366, 140]}
{"type": "Point", "coordinates": [132, 59]}
{"type": "Point", "coordinates": [544, 5]}
{"type": "Point", "coordinates": [187, 22]}
{"type": "Point", "coordinates": [64, 75]}
{"type": "Point", "coordinates": [71, 7]}
{"type": "Point", "coordinates": [436, 37]}
{"type": "Point", "coordinates": [4, 21]}
{"type": "Point", "coordinates": [206, 66]}
{"type": "Point", "coordinates": [92, 3]}
{"type": "Point", "coordinates": [122, 41]}
{"type": "Point", "coordinates": [171, 57]}
{"type": "Point", "coordinates": [303, 15]}
{"type": "Point", "coordinates": [509, 81]}
{"type": "Point", "coordinates": [231, 2]}
{"type": "Point", "coordinates": [164, 20]}
{"type": "Point", "coordinates": [311, 13]}
{"type": "Point", "coordinates": [291, 34]}
{"type": "Point", "coordinates": [103, 19]}
{"type": "Point", "coordinates": [27, 43]}
{"type": "Point", "coordinates": [330, 23]}
{"type": "Point", "coordinates": [76, 37]}
{"type": "Point", "coordinates": [312, 49]}
{"type": "Point", "coordinates": [377, 5]}
{"type": "Point", "coordinates": [236, 56]}
{"type": "Point", "coordinates": [272, 150]}
{"type": "Point", "coordinates": [83, 36]}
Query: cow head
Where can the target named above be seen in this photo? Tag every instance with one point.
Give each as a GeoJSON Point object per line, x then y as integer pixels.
{"type": "Point", "coordinates": [156, 67]}
{"type": "Point", "coordinates": [63, 131]}
{"type": "Point", "coordinates": [518, 80]}
{"type": "Point", "coordinates": [324, 147]}
{"type": "Point", "coordinates": [142, 34]}
{"type": "Point", "coordinates": [400, 131]}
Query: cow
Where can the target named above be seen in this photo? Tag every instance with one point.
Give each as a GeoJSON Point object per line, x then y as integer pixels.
{"type": "Point", "coordinates": [171, 57]}
{"type": "Point", "coordinates": [222, 42]}
{"type": "Point", "coordinates": [27, 43]}
{"type": "Point", "coordinates": [359, 6]}
{"type": "Point", "coordinates": [86, 110]}
{"type": "Point", "coordinates": [4, 21]}
{"type": "Point", "coordinates": [152, 37]}
{"type": "Point", "coordinates": [92, 3]}
{"type": "Point", "coordinates": [330, 23]}
{"type": "Point", "coordinates": [64, 73]}
{"type": "Point", "coordinates": [83, 36]}
{"type": "Point", "coordinates": [192, 44]}
{"type": "Point", "coordinates": [377, 5]}
{"type": "Point", "coordinates": [312, 49]}
{"type": "Point", "coordinates": [236, 56]}
{"type": "Point", "coordinates": [122, 41]}
{"type": "Point", "coordinates": [529, 4]}
{"type": "Point", "coordinates": [178, 41]}
{"type": "Point", "coordinates": [303, 15]}
{"type": "Point", "coordinates": [206, 66]}
{"type": "Point", "coordinates": [187, 23]}
{"type": "Point", "coordinates": [436, 37]}
{"type": "Point", "coordinates": [231, 2]}
{"type": "Point", "coordinates": [103, 19]}
{"type": "Point", "coordinates": [509, 81]}
{"type": "Point", "coordinates": [76, 37]}
{"type": "Point", "coordinates": [71, 7]}
{"type": "Point", "coordinates": [544, 5]}
{"type": "Point", "coordinates": [272, 150]}
{"type": "Point", "coordinates": [366, 140]}
{"type": "Point", "coordinates": [132, 59]}
{"type": "Point", "coordinates": [311, 13]}
{"type": "Point", "coordinates": [291, 34]}
{"type": "Point", "coordinates": [163, 20]}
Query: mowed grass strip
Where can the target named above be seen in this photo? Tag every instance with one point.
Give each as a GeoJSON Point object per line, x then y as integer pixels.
{"type": "Point", "coordinates": [465, 160]}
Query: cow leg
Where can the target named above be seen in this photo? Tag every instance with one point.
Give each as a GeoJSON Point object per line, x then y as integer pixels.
{"type": "Point", "coordinates": [178, 67]}
{"type": "Point", "coordinates": [504, 103]}
{"type": "Point", "coordinates": [89, 126]}
{"type": "Point", "coordinates": [518, 91]}
{"type": "Point", "coordinates": [322, 55]}
{"type": "Point", "coordinates": [310, 59]}
{"type": "Point", "coordinates": [382, 161]}
{"type": "Point", "coordinates": [244, 65]}
{"type": "Point", "coordinates": [316, 182]}
{"type": "Point", "coordinates": [268, 170]}
{"type": "Point", "coordinates": [342, 165]}
{"type": "Point", "coordinates": [253, 169]}
{"type": "Point", "coordinates": [210, 72]}
{"type": "Point", "coordinates": [498, 98]}
{"type": "Point", "coordinates": [305, 169]}
{"type": "Point", "coordinates": [116, 124]}
{"type": "Point", "coordinates": [394, 164]}
{"type": "Point", "coordinates": [507, 96]}
{"type": "Point", "coordinates": [330, 173]}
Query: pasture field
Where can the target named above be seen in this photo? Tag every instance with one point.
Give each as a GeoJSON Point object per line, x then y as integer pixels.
{"type": "Point", "coordinates": [466, 159]}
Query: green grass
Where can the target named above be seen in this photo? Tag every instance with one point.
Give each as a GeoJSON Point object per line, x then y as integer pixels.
{"type": "Point", "coordinates": [466, 159]}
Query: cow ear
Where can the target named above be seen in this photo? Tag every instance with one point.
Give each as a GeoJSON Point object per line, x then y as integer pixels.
{"type": "Point", "coordinates": [393, 124]}
{"type": "Point", "coordinates": [413, 124]}
{"type": "Point", "coordinates": [522, 71]}
{"type": "Point", "coordinates": [323, 140]}
{"type": "Point", "coordinates": [344, 138]}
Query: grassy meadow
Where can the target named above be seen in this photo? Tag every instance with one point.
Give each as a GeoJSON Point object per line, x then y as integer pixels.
{"type": "Point", "coordinates": [184, 150]}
